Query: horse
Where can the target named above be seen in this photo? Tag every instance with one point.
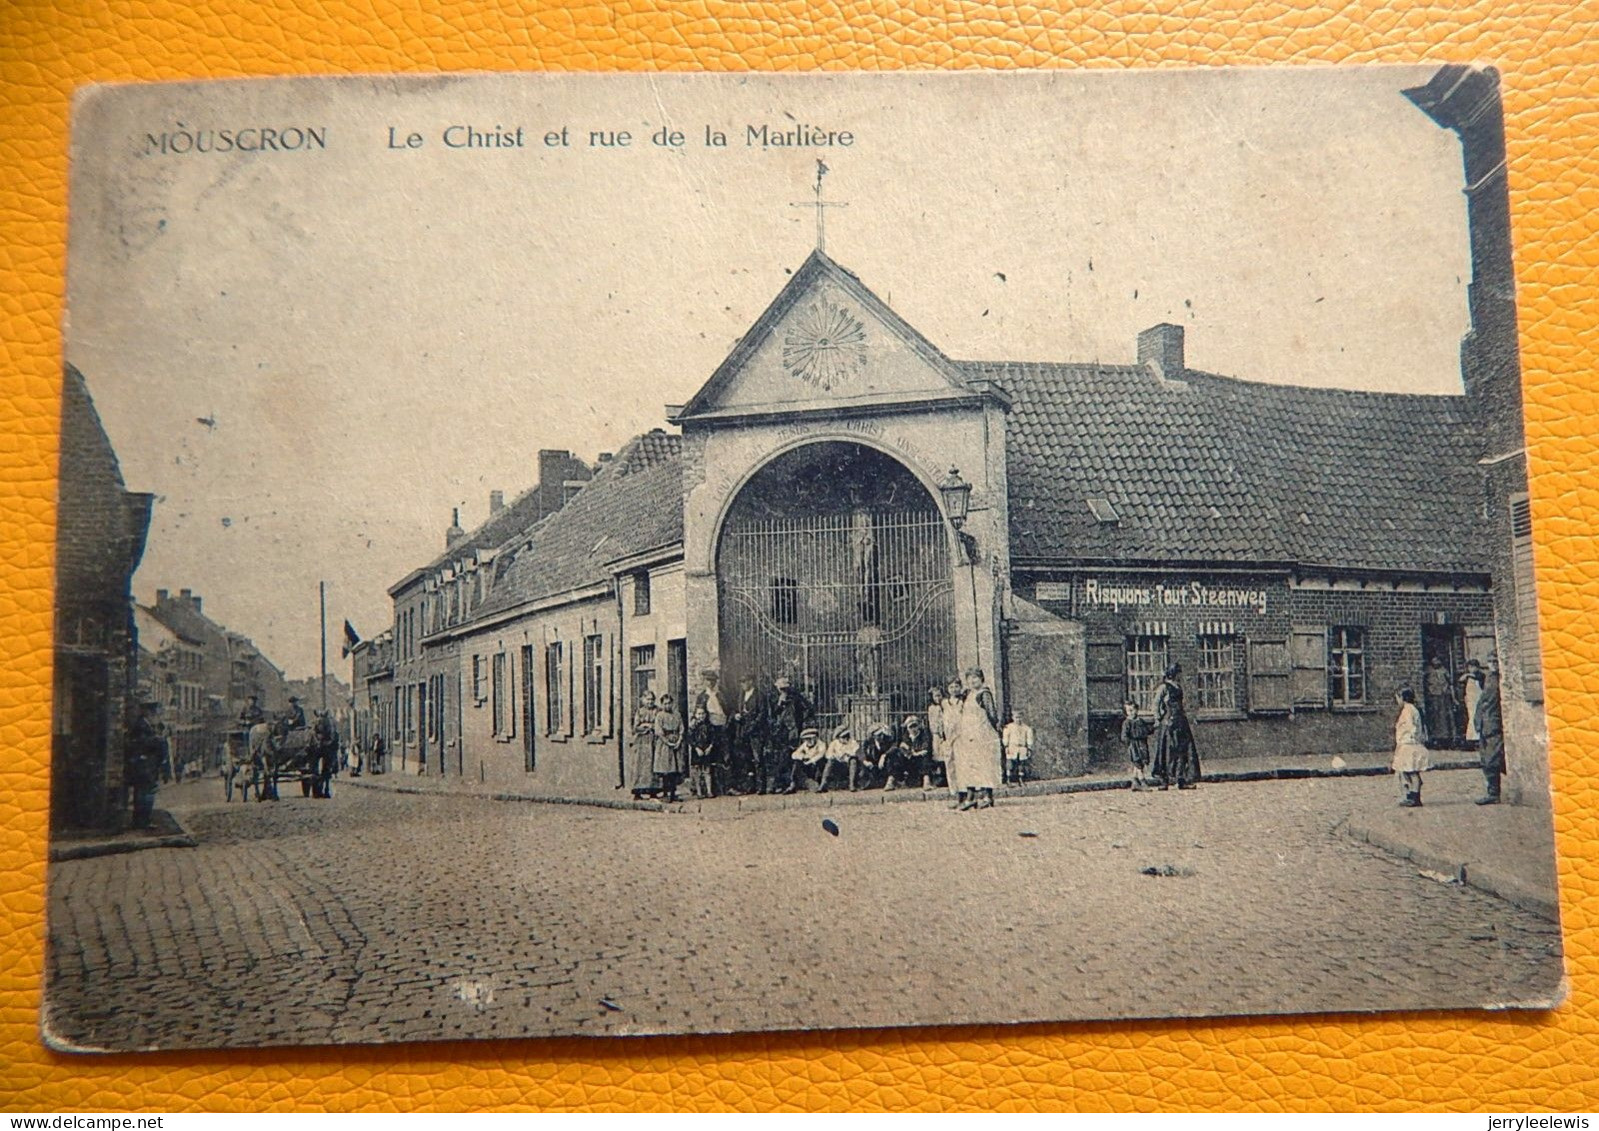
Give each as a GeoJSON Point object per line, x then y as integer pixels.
{"type": "Point", "coordinates": [263, 763]}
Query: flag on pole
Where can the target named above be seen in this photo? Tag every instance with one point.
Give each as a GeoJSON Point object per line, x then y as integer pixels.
{"type": "Point", "coordinates": [351, 637]}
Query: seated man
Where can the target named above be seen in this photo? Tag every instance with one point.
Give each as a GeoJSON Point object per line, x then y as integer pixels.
{"type": "Point", "coordinates": [878, 758]}
{"type": "Point", "coordinates": [842, 751]}
{"type": "Point", "coordinates": [808, 763]}
{"type": "Point", "coordinates": [914, 754]}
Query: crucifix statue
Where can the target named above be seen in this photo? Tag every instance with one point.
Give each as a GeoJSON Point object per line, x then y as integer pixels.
{"type": "Point", "coordinates": [820, 205]}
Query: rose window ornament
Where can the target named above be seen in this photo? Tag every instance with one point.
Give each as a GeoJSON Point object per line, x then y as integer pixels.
{"type": "Point", "coordinates": [825, 345]}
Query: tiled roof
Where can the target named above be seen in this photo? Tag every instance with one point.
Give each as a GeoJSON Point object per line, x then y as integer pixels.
{"type": "Point", "coordinates": [1216, 469]}
{"type": "Point", "coordinates": [634, 504]}
{"type": "Point", "coordinates": [526, 509]}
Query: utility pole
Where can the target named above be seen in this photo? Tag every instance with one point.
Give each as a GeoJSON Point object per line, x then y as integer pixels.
{"type": "Point", "coordinates": [322, 601]}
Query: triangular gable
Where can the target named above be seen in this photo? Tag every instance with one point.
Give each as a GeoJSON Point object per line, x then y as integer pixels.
{"type": "Point", "coordinates": [826, 337]}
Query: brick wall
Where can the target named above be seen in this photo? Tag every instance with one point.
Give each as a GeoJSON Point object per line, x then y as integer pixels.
{"type": "Point", "coordinates": [1392, 623]}
{"type": "Point", "coordinates": [100, 535]}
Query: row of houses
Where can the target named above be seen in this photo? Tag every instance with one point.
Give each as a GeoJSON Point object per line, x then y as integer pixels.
{"type": "Point", "coordinates": [112, 652]}
{"type": "Point", "coordinates": [202, 673]}
{"type": "Point", "coordinates": [845, 504]}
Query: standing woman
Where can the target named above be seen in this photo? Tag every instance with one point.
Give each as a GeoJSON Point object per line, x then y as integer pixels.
{"type": "Point", "coordinates": [1410, 750]}
{"type": "Point", "coordinates": [978, 752]}
{"type": "Point", "coordinates": [671, 755]}
{"type": "Point", "coordinates": [1471, 685]}
{"type": "Point", "coordinates": [1175, 753]}
{"type": "Point", "coordinates": [641, 748]}
{"type": "Point", "coordinates": [938, 763]}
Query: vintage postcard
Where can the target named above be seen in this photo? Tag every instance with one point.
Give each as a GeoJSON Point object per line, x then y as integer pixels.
{"type": "Point", "coordinates": [548, 555]}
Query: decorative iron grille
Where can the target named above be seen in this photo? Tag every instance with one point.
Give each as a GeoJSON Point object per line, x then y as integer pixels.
{"type": "Point", "coordinates": [857, 608]}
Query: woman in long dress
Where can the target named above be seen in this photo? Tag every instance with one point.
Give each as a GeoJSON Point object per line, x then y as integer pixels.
{"type": "Point", "coordinates": [641, 748]}
{"type": "Point", "coordinates": [1175, 753]}
{"type": "Point", "coordinates": [671, 753]}
{"type": "Point", "coordinates": [977, 748]}
{"type": "Point", "coordinates": [1411, 758]}
{"type": "Point", "coordinates": [1471, 695]}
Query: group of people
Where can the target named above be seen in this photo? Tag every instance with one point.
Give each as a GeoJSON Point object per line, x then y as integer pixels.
{"type": "Point", "coordinates": [1175, 758]}
{"type": "Point", "coordinates": [1485, 727]}
{"type": "Point", "coordinates": [766, 741]}
{"type": "Point", "coordinates": [1450, 702]}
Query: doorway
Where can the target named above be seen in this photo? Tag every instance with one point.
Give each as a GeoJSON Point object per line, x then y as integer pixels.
{"type": "Point", "coordinates": [1443, 664]}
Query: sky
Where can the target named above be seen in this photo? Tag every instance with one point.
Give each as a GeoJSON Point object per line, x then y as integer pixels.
{"type": "Point", "coordinates": [311, 357]}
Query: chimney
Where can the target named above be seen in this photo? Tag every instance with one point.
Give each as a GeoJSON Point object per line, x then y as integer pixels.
{"type": "Point", "coordinates": [1162, 346]}
{"type": "Point", "coordinates": [454, 534]}
{"type": "Point", "coordinates": [186, 594]}
{"type": "Point", "coordinates": [162, 596]}
{"type": "Point", "coordinates": [496, 502]}
{"type": "Point", "coordinates": [606, 457]}
{"type": "Point", "coordinates": [196, 601]}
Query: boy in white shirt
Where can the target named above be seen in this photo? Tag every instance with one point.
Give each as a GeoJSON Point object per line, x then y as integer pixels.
{"type": "Point", "coordinates": [806, 760]}
{"type": "Point", "coordinates": [1018, 740]}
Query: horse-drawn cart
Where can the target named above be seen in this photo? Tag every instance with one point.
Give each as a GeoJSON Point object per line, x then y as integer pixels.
{"type": "Point", "coordinates": [265, 755]}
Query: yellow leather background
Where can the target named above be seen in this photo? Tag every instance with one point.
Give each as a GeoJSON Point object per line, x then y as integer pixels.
{"type": "Point", "coordinates": [1547, 49]}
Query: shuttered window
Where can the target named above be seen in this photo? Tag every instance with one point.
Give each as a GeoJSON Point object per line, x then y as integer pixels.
{"type": "Point", "coordinates": [1527, 648]}
{"type": "Point", "coordinates": [593, 683]}
{"type": "Point", "coordinates": [502, 707]}
{"type": "Point", "coordinates": [554, 687]}
{"type": "Point", "coordinates": [1107, 676]}
{"type": "Point", "coordinates": [1269, 676]}
{"type": "Point", "coordinates": [1308, 651]}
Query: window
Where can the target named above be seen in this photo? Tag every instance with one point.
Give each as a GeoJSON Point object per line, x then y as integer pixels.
{"type": "Point", "coordinates": [1215, 685]}
{"type": "Point", "coordinates": [554, 684]}
{"type": "Point", "coordinates": [1346, 666]}
{"type": "Point", "coordinates": [501, 714]}
{"type": "Point", "coordinates": [785, 600]}
{"type": "Point", "coordinates": [477, 679]}
{"type": "Point", "coordinates": [641, 594]}
{"type": "Point", "coordinates": [1146, 665]}
{"type": "Point", "coordinates": [642, 665]}
{"type": "Point", "coordinates": [593, 684]}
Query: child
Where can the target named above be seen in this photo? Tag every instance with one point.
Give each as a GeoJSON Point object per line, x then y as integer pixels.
{"type": "Point", "coordinates": [842, 751]}
{"type": "Point", "coordinates": [805, 759]}
{"type": "Point", "coordinates": [1018, 739]}
{"type": "Point", "coordinates": [1410, 750]}
{"type": "Point", "coordinates": [1135, 737]}
{"type": "Point", "coordinates": [671, 760]}
{"type": "Point", "coordinates": [701, 754]}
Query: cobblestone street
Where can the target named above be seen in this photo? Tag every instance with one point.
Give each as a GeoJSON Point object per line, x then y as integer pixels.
{"type": "Point", "coordinates": [384, 917]}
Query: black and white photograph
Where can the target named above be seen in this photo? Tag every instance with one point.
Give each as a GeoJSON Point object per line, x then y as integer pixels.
{"type": "Point", "coordinates": [577, 555]}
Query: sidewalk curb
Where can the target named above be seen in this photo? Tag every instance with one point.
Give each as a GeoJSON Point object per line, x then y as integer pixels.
{"type": "Point", "coordinates": [1484, 877]}
{"type": "Point", "coordinates": [176, 837]}
{"type": "Point", "coordinates": [841, 799]}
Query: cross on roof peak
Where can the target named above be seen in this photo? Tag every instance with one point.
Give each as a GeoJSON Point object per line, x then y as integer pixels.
{"type": "Point", "coordinates": [820, 205]}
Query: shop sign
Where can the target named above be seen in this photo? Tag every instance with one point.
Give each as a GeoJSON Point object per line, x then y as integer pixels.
{"type": "Point", "coordinates": [1173, 594]}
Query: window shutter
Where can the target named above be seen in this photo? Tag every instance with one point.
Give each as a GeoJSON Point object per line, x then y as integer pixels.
{"type": "Point", "coordinates": [610, 684]}
{"type": "Point", "coordinates": [1107, 678]}
{"type": "Point", "coordinates": [1308, 648]}
{"type": "Point", "coordinates": [1527, 646]}
{"type": "Point", "coordinates": [1269, 676]}
{"type": "Point", "coordinates": [510, 693]}
{"type": "Point", "coordinates": [569, 669]}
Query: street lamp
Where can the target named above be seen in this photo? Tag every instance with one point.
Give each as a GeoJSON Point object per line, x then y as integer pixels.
{"type": "Point", "coordinates": [957, 495]}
